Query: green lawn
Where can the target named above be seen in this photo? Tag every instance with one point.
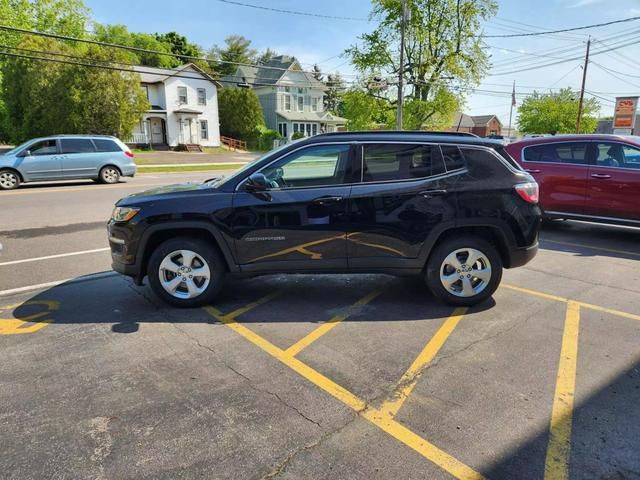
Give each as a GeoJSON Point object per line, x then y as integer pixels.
{"type": "Point", "coordinates": [186, 168]}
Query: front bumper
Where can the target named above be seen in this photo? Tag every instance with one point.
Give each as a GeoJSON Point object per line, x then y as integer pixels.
{"type": "Point", "coordinates": [522, 256]}
{"type": "Point", "coordinates": [123, 251]}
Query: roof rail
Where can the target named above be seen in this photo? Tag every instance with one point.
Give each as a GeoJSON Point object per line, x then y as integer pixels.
{"type": "Point", "coordinates": [405, 132]}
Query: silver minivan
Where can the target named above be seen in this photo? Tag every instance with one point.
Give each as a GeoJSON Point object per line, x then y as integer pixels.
{"type": "Point", "coordinates": [66, 157]}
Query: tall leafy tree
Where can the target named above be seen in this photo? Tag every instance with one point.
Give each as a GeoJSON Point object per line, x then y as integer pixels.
{"type": "Point", "coordinates": [240, 112]}
{"type": "Point", "coordinates": [44, 97]}
{"type": "Point", "coordinates": [65, 17]}
{"type": "Point", "coordinates": [179, 45]}
{"type": "Point", "coordinates": [237, 49]}
{"type": "Point", "coordinates": [119, 34]}
{"type": "Point", "coordinates": [442, 52]}
{"type": "Point", "coordinates": [557, 113]}
{"type": "Point", "coordinates": [265, 56]}
{"type": "Point", "coordinates": [334, 87]}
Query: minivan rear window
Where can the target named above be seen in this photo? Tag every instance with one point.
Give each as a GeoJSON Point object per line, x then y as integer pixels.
{"type": "Point", "coordinates": [77, 145]}
{"type": "Point", "coordinates": [105, 145]}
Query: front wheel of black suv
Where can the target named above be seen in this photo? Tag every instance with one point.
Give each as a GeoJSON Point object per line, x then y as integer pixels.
{"type": "Point", "coordinates": [464, 271]}
{"type": "Point", "coordinates": [186, 272]}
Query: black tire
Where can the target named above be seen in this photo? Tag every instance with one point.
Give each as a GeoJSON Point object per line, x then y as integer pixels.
{"type": "Point", "coordinates": [201, 248]}
{"type": "Point", "coordinates": [450, 245]}
{"type": "Point", "coordinates": [9, 180]}
{"type": "Point", "coordinates": [109, 174]}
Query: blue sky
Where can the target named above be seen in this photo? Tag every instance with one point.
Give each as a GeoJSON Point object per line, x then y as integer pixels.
{"type": "Point", "coordinates": [317, 40]}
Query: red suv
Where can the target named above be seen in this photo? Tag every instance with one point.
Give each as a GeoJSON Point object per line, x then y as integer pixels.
{"type": "Point", "coordinates": [585, 177]}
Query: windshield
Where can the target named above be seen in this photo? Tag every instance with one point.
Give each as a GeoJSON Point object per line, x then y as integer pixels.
{"type": "Point", "coordinates": [239, 173]}
{"type": "Point", "coordinates": [16, 149]}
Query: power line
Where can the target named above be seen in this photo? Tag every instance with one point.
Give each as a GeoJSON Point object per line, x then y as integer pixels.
{"type": "Point", "coordinates": [544, 65]}
{"type": "Point", "coordinates": [144, 50]}
{"type": "Point", "coordinates": [606, 70]}
{"type": "Point", "coordinates": [292, 12]}
{"type": "Point", "coordinates": [572, 29]}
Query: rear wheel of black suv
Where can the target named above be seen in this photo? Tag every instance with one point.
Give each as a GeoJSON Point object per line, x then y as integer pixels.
{"type": "Point", "coordinates": [186, 272]}
{"type": "Point", "coordinates": [464, 271]}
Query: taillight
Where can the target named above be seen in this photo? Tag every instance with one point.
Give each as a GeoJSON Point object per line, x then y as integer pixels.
{"type": "Point", "coordinates": [529, 192]}
{"type": "Point", "coordinates": [128, 153]}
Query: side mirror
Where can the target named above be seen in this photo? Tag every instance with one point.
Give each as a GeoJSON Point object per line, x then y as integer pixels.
{"type": "Point", "coordinates": [25, 153]}
{"type": "Point", "coordinates": [257, 182]}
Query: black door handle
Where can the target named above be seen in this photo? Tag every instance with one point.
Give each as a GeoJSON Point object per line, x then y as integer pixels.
{"type": "Point", "coordinates": [433, 193]}
{"type": "Point", "coordinates": [327, 200]}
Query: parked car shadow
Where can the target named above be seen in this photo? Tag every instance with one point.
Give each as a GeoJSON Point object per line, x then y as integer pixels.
{"type": "Point", "coordinates": [301, 298]}
{"type": "Point", "coordinates": [591, 239]}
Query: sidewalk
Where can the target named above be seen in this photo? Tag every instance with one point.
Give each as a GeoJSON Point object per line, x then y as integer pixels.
{"type": "Point", "coordinates": [158, 158]}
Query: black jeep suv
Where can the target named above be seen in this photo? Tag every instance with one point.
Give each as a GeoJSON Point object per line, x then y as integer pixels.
{"type": "Point", "coordinates": [453, 208]}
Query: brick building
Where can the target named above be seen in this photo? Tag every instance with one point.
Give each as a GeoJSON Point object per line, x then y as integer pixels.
{"type": "Point", "coordinates": [481, 125]}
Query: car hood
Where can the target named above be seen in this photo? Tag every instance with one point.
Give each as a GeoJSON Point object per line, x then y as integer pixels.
{"type": "Point", "coordinates": [180, 189]}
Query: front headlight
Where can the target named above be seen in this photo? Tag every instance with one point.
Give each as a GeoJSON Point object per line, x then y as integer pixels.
{"type": "Point", "coordinates": [124, 214]}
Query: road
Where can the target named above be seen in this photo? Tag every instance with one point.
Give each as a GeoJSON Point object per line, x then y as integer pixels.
{"type": "Point", "coordinates": [340, 376]}
{"type": "Point", "coordinates": [41, 220]}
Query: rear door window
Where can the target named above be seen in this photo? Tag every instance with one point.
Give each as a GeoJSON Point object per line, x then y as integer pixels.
{"type": "Point", "coordinates": [617, 155]}
{"type": "Point", "coordinates": [77, 145]}
{"type": "Point", "coordinates": [566, 152]}
{"type": "Point", "coordinates": [105, 145]}
{"type": "Point", "coordinates": [453, 158]}
{"type": "Point", "coordinates": [384, 162]}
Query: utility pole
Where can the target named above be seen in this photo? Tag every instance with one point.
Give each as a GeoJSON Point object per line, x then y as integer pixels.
{"type": "Point", "coordinates": [584, 80]}
{"type": "Point", "coordinates": [513, 102]}
{"type": "Point", "coordinates": [401, 68]}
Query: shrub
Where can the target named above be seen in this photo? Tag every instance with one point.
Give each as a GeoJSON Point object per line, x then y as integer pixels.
{"type": "Point", "coordinates": [297, 136]}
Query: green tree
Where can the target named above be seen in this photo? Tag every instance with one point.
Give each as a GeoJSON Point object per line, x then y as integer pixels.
{"type": "Point", "coordinates": [557, 113]}
{"type": "Point", "coordinates": [240, 112]}
{"type": "Point", "coordinates": [363, 110]}
{"type": "Point", "coordinates": [237, 49]}
{"type": "Point", "coordinates": [179, 45]}
{"type": "Point", "coordinates": [265, 57]}
{"type": "Point", "coordinates": [443, 52]}
{"type": "Point", "coordinates": [44, 97]}
{"type": "Point", "coordinates": [64, 17]}
{"type": "Point", "coordinates": [334, 87]}
{"type": "Point", "coordinates": [119, 34]}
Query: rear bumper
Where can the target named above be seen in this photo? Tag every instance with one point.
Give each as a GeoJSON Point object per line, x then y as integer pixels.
{"type": "Point", "coordinates": [522, 256]}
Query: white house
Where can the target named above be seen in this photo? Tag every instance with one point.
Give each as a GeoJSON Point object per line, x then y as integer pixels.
{"type": "Point", "coordinates": [292, 99]}
{"type": "Point", "coordinates": [184, 108]}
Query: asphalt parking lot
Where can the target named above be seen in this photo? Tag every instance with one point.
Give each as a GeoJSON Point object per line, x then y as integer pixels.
{"type": "Point", "coordinates": [310, 377]}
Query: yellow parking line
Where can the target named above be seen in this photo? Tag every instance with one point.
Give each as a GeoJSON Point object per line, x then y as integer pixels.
{"type": "Point", "coordinates": [413, 373]}
{"type": "Point", "coordinates": [591, 306]}
{"type": "Point", "coordinates": [610, 310]}
{"type": "Point", "coordinates": [557, 460]}
{"type": "Point", "coordinates": [303, 343]}
{"type": "Point", "coordinates": [535, 293]}
{"type": "Point", "coordinates": [593, 247]}
{"type": "Point", "coordinates": [375, 416]}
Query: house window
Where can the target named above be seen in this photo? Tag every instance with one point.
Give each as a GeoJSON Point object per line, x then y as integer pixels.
{"type": "Point", "coordinates": [146, 91]}
{"type": "Point", "coordinates": [286, 102]}
{"type": "Point", "coordinates": [314, 128]}
{"type": "Point", "coordinates": [204, 129]}
{"type": "Point", "coordinates": [300, 91]}
{"type": "Point", "coordinates": [282, 129]}
{"type": "Point", "coordinates": [202, 96]}
{"type": "Point", "coordinates": [314, 104]}
{"type": "Point", "coordinates": [300, 103]}
{"type": "Point", "coordinates": [287, 89]}
{"type": "Point", "coordinates": [182, 95]}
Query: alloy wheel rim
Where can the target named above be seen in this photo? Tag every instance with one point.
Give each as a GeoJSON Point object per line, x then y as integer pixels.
{"type": "Point", "coordinates": [465, 272]}
{"type": "Point", "coordinates": [184, 274]}
{"type": "Point", "coordinates": [110, 175]}
{"type": "Point", "coordinates": [8, 180]}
